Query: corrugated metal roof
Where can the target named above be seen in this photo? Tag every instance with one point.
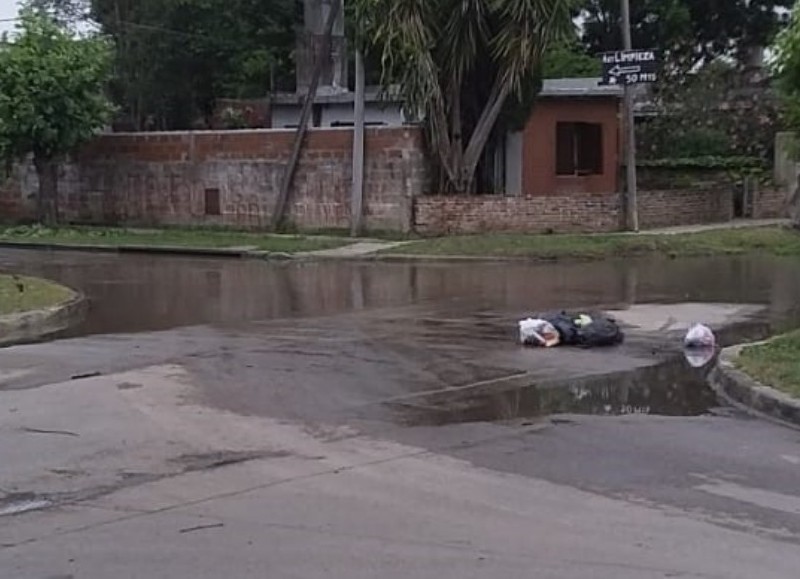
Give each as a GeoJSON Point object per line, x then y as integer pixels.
{"type": "Point", "coordinates": [578, 87]}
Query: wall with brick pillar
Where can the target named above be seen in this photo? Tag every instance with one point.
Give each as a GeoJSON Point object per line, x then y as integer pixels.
{"type": "Point", "coordinates": [229, 178]}
{"type": "Point", "coordinates": [442, 215]}
{"type": "Point", "coordinates": [771, 203]}
{"type": "Point", "coordinates": [574, 213]}
{"type": "Point", "coordinates": [673, 207]}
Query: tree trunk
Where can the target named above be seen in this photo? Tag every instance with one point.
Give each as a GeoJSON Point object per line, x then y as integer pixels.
{"type": "Point", "coordinates": [480, 136]}
{"type": "Point", "coordinates": [456, 126]}
{"type": "Point", "coordinates": [47, 200]}
{"type": "Point", "coordinates": [440, 137]}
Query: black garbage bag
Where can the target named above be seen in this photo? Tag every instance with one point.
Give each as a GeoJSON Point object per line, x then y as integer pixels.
{"type": "Point", "coordinates": [602, 331]}
{"type": "Point", "coordinates": [565, 326]}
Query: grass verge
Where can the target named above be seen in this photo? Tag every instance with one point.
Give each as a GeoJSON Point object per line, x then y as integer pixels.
{"type": "Point", "coordinates": [22, 294]}
{"type": "Point", "coordinates": [775, 363]}
{"type": "Point", "coordinates": [196, 238]}
{"type": "Point", "coordinates": [774, 240]}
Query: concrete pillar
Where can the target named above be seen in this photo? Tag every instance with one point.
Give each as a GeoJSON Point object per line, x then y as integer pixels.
{"type": "Point", "coordinates": [514, 164]}
{"type": "Point", "coordinates": [785, 156]}
{"type": "Point", "coordinates": [794, 196]}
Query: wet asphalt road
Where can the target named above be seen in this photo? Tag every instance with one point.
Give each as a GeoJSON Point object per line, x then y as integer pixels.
{"type": "Point", "coordinates": [206, 356]}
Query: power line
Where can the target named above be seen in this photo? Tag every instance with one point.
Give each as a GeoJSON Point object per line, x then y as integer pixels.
{"type": "Point", "coordinates": [152, 27]}
{"type": "Point", "coordinates": [162, 29]}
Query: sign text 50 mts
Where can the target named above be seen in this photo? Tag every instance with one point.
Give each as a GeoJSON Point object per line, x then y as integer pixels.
{"type": "Point", "coordinates": [627, 67]}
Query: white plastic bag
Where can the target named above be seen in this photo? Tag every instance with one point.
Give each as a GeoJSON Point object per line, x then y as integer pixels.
{"type": "Point", "coordinates": [538, 333]}
{"type": "Point", "coordinates": [699, 357]}
{"type": "Point", "coordinates": [699, 336]}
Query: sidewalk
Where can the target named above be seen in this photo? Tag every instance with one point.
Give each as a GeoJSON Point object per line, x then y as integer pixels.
{"type": "Point", "coordinates": [244, 245]}
{"type": "Point", "coordinates": [735, 224]}
{"type": "Point", "coordinates": [359, 248]}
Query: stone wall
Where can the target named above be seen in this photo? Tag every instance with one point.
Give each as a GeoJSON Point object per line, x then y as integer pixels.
{"type": "Point", "coordinates": [590, 213]}
{"type": "Point", "coordinates": [229, 178]}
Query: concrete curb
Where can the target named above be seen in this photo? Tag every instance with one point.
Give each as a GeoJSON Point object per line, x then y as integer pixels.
{"type": "Point", "coordinates": [166, 249]}
{"type": "Point", "coordinates": [334, 254]}
{"type": "Point", "coordinates": [239, 253]}
{"type": "Point", "coordinates": [425, 258]}
{"type": "Point", "coordinates": [36, 325]}
{"type": "Point", "coordinates": [743, 391]}
{"type": "Point", "coordinates": [380, 254]}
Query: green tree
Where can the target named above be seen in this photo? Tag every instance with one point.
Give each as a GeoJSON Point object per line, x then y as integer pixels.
{"type": "Point", "coordinates": [687, 31]}
{"type": "Point", "coordinates": [460, 64]}
{"type": "Point", "coordinates": [52, 98]}
{"type": "Point", "coordinates": [715, 111]}
{"type": "Point", "coordinates": [568, 59]}
{"type": "Point", "coordinates": [786, 65]}
{"type": "Point", "coordinates": [174, 58]}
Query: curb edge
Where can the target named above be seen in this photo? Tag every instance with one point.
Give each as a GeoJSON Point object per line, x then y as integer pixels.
{"type": "Point", "coordinates": [37, 325]}
{"type": "Point", "coordinates": [749, 394]}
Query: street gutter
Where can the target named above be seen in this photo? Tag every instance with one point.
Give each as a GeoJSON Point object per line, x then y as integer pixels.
{"type": "Point", "coordinates": [230, 252]}
{"type": "Point", "coordinates": [745, 392]}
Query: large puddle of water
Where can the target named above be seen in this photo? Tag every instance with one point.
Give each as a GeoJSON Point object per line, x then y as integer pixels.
{"type": "Point", "coordinates": [669, 389]}
{"type": "Point", "coordinates": [136, 293]}
{"type": "Point", "coordinates": [132, 293]}
{"type": "Point", "coordinates": [675, 385]}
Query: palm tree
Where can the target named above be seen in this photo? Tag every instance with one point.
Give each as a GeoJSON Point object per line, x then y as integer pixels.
{"type": "Point", "coordinates": [461, 64]}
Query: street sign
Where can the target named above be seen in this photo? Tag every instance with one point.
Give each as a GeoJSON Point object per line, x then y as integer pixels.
{"type": "Point", "coordinates": [628, 67]}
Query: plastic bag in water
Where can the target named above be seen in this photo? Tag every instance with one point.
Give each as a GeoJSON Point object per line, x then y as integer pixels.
{"type": "Point", "coordinates": [699, 336]}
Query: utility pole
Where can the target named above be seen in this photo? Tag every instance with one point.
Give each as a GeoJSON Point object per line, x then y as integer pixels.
{"type": "Point", "coordinates": [631, 202]}
{"type": "Point", "coordinates": [321, 55]}
{"type": "Point", "coordinates": [357, 201]}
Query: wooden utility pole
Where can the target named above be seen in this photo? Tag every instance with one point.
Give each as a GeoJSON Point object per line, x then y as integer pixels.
{"type": "Point", "coordinates": [357, 201]}
{"type": "Point", "coordinates": [288, 174]}
{"type": "Point", "coordinates": [631, 201]}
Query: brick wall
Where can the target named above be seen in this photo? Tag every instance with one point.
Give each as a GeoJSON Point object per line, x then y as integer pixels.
{"type": "Point", "coordinates": [770, 203]}
{"type": "Point", "coordinates": [442, 215]}
{"type": "Point", "coordinates": [229, 178]}
{"type": "Point", "coordinates": [667, 208]}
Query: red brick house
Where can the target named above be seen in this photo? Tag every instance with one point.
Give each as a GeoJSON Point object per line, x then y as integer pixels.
{"type": "Point", "coordinates": [571, 142]}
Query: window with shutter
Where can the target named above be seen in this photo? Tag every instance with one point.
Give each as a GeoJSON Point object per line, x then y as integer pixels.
{"type": "Point", "coordinates": [579, 149]}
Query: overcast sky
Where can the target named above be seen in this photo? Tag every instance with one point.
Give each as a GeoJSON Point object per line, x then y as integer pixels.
{"type": "Point", "coordinates": [8, 9]}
